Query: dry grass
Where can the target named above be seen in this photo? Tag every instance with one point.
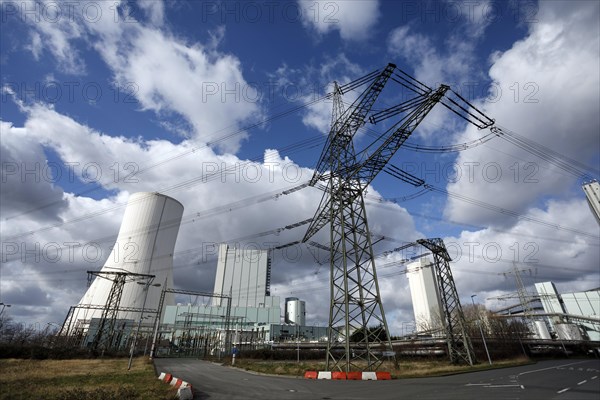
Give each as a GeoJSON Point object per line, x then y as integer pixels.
{"type": "Point", "coordinates": [408, 369]}
{"type": "Point", "coordinates": [80, 379]}
{"type": "Point", "coordinates": [417, 369]}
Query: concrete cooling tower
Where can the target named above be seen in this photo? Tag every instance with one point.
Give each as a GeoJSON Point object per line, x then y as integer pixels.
{"type": "Point", "coordinates": [144, 245]}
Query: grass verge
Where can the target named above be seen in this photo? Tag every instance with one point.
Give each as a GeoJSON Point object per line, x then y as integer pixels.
{"type": "Point", "coordinates": [408, 369]}
{"type": "Point", "coordinates": [81, 380]}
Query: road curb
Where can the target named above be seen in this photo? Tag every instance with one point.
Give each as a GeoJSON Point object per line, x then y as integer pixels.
{"type": "Point", "coordinates": [351, 376]}
{"type": "Point", "coordinates": [184, 389]}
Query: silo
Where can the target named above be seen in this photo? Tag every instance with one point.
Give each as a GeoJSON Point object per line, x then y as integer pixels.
{"type": "Point", "coordinates": [295, 311]}
{"type": "Point", "coordinates": [145, 245]}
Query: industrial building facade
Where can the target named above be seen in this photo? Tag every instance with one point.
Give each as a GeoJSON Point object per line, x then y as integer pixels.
{"type": "Point", "coordinates": [582, 309]}
{"type": "Point", "coordinates": [252, 318]}
{"type": "Point", "coordinates": [244, 274]}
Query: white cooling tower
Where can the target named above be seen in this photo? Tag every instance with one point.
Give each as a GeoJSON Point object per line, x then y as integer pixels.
{"type": "Point", "coordinates": [424, 293]}
{"type": "Point", "coordinates": [145, 245]}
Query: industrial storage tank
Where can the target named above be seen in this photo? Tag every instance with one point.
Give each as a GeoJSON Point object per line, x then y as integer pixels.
{"type": "Point", "coordinates": [145, 245]}
{"type": "Point", "coordinates": [295, 311]}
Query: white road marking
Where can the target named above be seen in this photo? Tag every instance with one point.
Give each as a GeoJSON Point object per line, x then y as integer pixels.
{"type": "Point", "coordinates": [495, 386]}
{"type": "Point", "coordinates": [594, 377]}
{"type": "Point", "coordinates": [581, 383]}
{"type": "Point", "coordinates": [545, 369]}
{"type": "Point", "coordinates": [562, 391]}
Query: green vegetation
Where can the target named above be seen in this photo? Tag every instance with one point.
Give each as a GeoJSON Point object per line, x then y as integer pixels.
{"type": "Point", "coordinates": [81, 380]}
{"type": "Point", "coordinates": [408, 369]}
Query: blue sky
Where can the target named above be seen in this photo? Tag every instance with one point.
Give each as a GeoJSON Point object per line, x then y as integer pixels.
{"type": "Point", "coordinates": [121, 86]}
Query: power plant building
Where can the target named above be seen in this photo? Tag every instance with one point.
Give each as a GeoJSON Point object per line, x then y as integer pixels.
{"type": "Point", "coordinates": [582, 309]}
{"type": "Point", "coordinates": [549, 297]}
{"type": "Point", "coordinates": [245, 274]}
{"type": "Point", "coordinates": [424, 293]}
{"type": "Point", "coordinates": [253, 317]}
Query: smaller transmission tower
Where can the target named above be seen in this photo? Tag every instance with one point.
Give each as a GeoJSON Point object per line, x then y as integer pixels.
{"type": "Point", "coordinates": [524, 297]}
{"type": "Point", "coordinates": [459, 344]}
{"type": "Point", "coordinates": [105, 335]}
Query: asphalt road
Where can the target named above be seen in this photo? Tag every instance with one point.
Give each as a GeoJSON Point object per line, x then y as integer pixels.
{"type": "Point", "coordinates": [561, 380]}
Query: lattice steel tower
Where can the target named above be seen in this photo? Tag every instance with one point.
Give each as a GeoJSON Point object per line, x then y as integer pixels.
{"type": "Point", "coordinates": [105, 335]}
{"type": "Point", "coordinates": [459, 343]}
{"type": "Point", "coordinates": [358, 331]}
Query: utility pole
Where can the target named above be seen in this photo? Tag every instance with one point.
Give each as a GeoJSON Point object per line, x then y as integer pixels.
{"type": "Point", "coordinates": [481, 329]}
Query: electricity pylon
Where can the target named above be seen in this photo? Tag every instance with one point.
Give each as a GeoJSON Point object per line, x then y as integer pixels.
{"type": "Point", "coordinates": [359, 337]}
{"type": "Point", "coordinates": [104, 338]}
{"type": "Point", "coordinates": [458, 340]}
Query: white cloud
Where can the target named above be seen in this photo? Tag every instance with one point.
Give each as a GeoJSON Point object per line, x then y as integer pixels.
{"type": "Point", "coordinates": [36, 45]}
{"type": "Point", "coordinates": [450, 60]}
{"type": "Point", "coordinates": [205, 87]}
{"type": "Point", "coordinates": [478, 15]}
{"type": "Point", "coordinates": [154, 9]}
{"type": "Point", "coordinates": [168, 75]}
{"type": "Point", "coordinates": [52, 23]}
{"type": "Point", "coordinates": [352, 18]}
{"type": "Point", "coordinates": [432, 66]}
{"type": "Point", "coordinates": [313, 82]}
{"type": "Point", "coordinates": [544, 254]}
{"type": "Point", "coordinates": [20, 154]}
{"type": "Point", "coordinates": [447, 59]}
{"type": "Point", "coordinates": [548, 86]}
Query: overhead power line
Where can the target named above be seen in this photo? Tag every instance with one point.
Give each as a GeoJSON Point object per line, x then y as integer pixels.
{"type": "Point", "coordinates": [567, 164]}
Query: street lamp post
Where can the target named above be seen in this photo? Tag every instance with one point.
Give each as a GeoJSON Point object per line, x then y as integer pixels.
{"type": "Point", "coordinates": [137, 331]}
{"type": "Point", "coordinates": [147, 337]}
{"type": "Point", "coordinates": [234, 351]}
{"type": "Point", "coordinates": [297, 344]}
{"type": "Point", "coordinates": [481, 330]}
